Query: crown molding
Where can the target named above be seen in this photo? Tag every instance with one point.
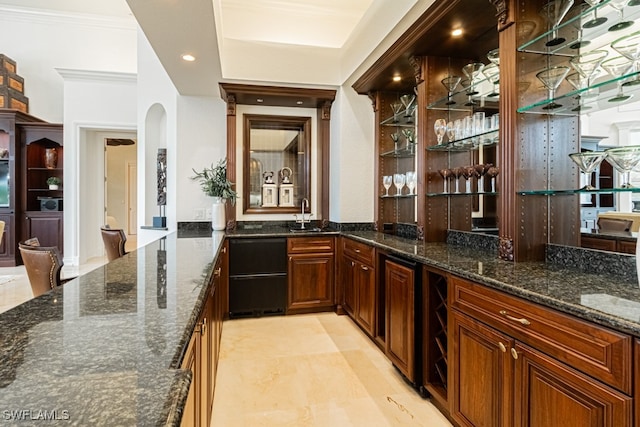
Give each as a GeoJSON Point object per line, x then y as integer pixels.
{"type": "Point", "coordinates": [43, 16]}
{"type": "Point", "coordinates": [97, 76]}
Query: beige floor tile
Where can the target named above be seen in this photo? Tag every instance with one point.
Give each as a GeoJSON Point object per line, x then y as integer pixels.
{"type": "Point", "coordinates": [311, 370]}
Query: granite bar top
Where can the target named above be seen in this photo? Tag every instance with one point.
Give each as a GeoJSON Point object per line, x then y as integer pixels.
{"type": "Point", "coordinates": [105, 348]}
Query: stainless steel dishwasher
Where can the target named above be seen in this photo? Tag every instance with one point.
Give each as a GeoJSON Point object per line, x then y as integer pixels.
{"type": "Point", "coordinates": [257, 277]}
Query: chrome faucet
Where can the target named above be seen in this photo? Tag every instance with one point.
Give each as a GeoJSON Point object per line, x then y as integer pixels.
{"type": "Point", "coordinates": [302, 221]}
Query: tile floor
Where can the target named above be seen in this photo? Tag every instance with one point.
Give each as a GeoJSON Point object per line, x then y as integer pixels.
{"type": "Point", "coordinates": [311, 370]}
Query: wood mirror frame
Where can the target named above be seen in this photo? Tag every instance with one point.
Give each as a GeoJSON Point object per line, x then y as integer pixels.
{"type": "Point", "coordinates": [301, 165]}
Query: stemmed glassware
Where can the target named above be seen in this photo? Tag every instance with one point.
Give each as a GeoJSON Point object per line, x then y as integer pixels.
{"type": "Point", "coordinates": [588, 161]}
{"type": "Point", "coordinates": [440, 127]}
{"type": "Point", "coordinates": [398, 181]}
{"type": "Point", "coordinates": [551, 78]}
{"type": "Point", "coordinates": [396, 138]}
{"type": "Point", "coordinates": [396, 107]}
{"type": "Point", "coordinates": [629, 46]}
{"type": "Point", "coordinates": [624, 159]}
{"type": "Point", "coordinates": [618, 67]}
{"type": "Point", "coordinates": [492, 73]}
{"type": "Point", "coordinates": [595, 21]}
{"type": "Point", "coordinates": [411, 181]}
{"type": "Point", "coordinates": [407, 101]}
{"type": "Point", "coordinates": [468, 89]}
{"type": "Point", "coordinates": [445, 174]}
{"type": "Point", "coordinates": [587, 63]}
{"type": "Point", "coordinates": [409, 136]}
{"type": "Point", "coordinates": [492, 173]}
{"type": "Point", "coordinates": [619, 5]}
{"type": "Point", "coordinates": [468, 172]}
{"type": "Point", "coordinates": [494, 56]}
{"type": "Point", "coordinates": [386, 182]}
{"type": "Point", "coordinates": [457, 173]}
{"type": "Point", "coordinates": [554, 11]}
{"type": "Point", "coordinates": [451, 83]}
{"type": "Point", "coordinates": [472, 71]}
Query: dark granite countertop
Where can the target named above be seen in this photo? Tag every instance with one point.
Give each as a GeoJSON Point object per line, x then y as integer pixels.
{"type": "Point", "coordinates": [105, 348]}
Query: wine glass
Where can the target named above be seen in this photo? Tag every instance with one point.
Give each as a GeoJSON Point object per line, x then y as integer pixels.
{"type": "Point", "coordinates": [440, 127]}
{"type": "Point", "coordinates": [472, 71]}
{"type": "Point", "coordinates": [398, 182]}
{"type": "Point", "coordinates": [551, 78]}
{"type": "Point", "coordinates": [445, 174]}
{"type": "Point", "coordinates": [492, 73]}
{"type": "Point", "coordinates": [618, 67]}
{"type": "Point", "coordinates": [451, 132]}
{"type": "Point", "coordinates": [396, 107]}
{"type": "Point", "coordinates": [624, 159]}
{"type": "Point", "coordinates": [554, 11]}
{"type": "Point", "coordinates": [619, 5]}
{"type": "Point", "coordinates": [411, 181]}
{"type": "Point", "coordinates": [456, 173]}
{"type": "Point", "coordinates": [492, 173]}
{"type": "Point", "coordinates": [588, 161]}
{"type": "Point", "coordinates": [595, 21]}
{"type": "Point", "coordinates": [386, 182]}
{"type": "Point", "coordinates": [451, 83]}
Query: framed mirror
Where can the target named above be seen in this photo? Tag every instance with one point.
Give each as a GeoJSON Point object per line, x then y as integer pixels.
{"type": "Point", "coordinates": [276, 163]}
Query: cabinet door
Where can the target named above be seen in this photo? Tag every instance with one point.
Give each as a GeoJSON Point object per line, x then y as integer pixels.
{"type": "Point", "coordinates": [365, 280]}
{"type": "Point", "coordinates": [7, 241]}
{"type": "Point", "coordinates": [349, 286]}
{"type": "Point", "coordinates": [637, 385]}
{"type": "Point", "coordinates": [46, 226]}
{"type": "Point", "coordinates": [548, 393]}
{"type": "Point", "coordinates": [482, 374]}
{"type": "Point", "coordinates": [310, 281]}
{"type": "Point", "coordinates": [203, 363]}
{"type": "Point", "coordinates": [189, 414]}
{"type": "Point", "coordinates": [400, 315]}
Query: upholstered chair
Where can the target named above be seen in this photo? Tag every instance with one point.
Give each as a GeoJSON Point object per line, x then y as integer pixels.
{"type": "Point", "coordinates": [614, 224]}
{"type": "Point", "coordinates": [43, 265]}
{"type": "Point", "coordinates": [114, 240]}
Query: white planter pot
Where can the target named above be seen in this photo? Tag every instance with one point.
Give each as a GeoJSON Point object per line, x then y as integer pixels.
{"type": "Point", "coordinates": [218, 220]}
{"type": "Point", "coordinates": [53, 186]}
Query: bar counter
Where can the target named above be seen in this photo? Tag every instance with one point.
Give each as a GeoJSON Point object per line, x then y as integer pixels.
{"type": "Point", "coordinates": [105, 348]}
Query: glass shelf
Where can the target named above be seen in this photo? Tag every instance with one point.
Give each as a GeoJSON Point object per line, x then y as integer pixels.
{"type": "Point", "coordinates": [470, 143]}
{"type": "Point", "coordinates": [575, 103]}
{"type": "Point", "coordinates": [569, 29]}
{"type": "Point", "coordinates": [460, 100]}
{"type": "Point", "coordinates": [578, 191]}
{"type": "Point", "coordinates": [400, 120]}
{"type": "Point", "coordinates": [396, 196]}
{"type": "Point", "coordinates": [407, 151]}
{"type": "Point", "coordinates": [462, 193]}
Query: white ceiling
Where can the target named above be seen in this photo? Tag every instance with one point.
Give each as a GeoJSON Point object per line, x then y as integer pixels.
{"type": "Point", "coordinates": [275, 41]}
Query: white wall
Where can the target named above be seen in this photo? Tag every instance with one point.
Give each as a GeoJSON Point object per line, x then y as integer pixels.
{"type": "Point", "coordinates": [118, 160]}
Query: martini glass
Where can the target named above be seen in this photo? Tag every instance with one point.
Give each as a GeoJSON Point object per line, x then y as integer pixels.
{"type": "Point", "coordinates": [492, 73]}
{"type": "Point", "coordinates": [396, 107]}
{"type": "Point", "coordinates": [624, 159]}
{"type": "Point", "coordinates": [578, 23]}
{"type": "Point", "coordinates": [619, 5]}
{"type": "Point", "coordinates": [595, 21]}
{"type": "Point", "coordinates": [492, 173]}
{"type": "Point", "coordinates": [554, 11]}
{"type": "Point", "coordinates": [468, 89]}
{"type": "Point", "coordinates": [618, 67]}
{"type": "Point", "coordinates": [407, 101]}
{"type": "Point", "coordinates": [588, 161]}
{"type": "Point", "coordinates": [579, 83]}
{"type": "Point", "coordinates": [494, 56]}
{"type": "Point", "coordinates": [398, 181]}
{"type": "Point", "coordinates": [440, 127]}
{"type": "Point", "coordinates": [451, 83]}
{"type": "Point", "coordinates": [629, 46]}
{"type": "Point", "coordinates": [587, 63]}
{"type": "Point", "coordinates": [386, 182]}
{"type": "Point", "coordinates": [551, 78]}
{"type": "Point", "coordinates": [409, 135]}
{"type": "Point", "coordinates": [445, 174]}
{"type": "Point", "coordinates": [396, 138]}
{"type": "Point", "coordinates": [472, 71]}
{"type": "Point", "coordinates": [457, 173]}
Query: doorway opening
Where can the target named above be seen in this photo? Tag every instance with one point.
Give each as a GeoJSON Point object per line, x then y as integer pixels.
{"type": "Point", "coordinates": [120, 187]}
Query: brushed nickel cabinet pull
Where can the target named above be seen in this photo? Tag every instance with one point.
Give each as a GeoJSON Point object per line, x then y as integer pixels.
{"type": "Point", "coordinates": [522, 321]}
{"type": "Point", "coordinates": [353, 264]}
{"type": "Point", "coordinates": [224, 250]}
{"type": "Point", "coordinates": [365, 268]}
{"type": "Point", "coordinates": [502, 347]}
{"type": "Point", "coordinates": [217, 272]}
{"type": "Point", "coordinates": [357, 251]}
{"type": "Point", "coordinates": [203, 328]}
{"type": "Point", "coordinates": [514, 353]}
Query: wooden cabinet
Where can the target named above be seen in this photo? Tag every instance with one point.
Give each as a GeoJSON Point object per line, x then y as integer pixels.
{"type": "Point", "coordinates": [360, 284]}
{"type": "Point", "coordinates": [557, 369]}
{"type": "Point", "coordinates": [400, 315]}
{"type": "Point", "coordinates": [611, 244]}
{"type": "Point", "coordinates": [189, 413]}
{"type": "Point", "coordinates": [637, 383]}
{"type": "Point", "coordinates": [46, 226]}
{"type": "Point", "coordinates": [311, 273]}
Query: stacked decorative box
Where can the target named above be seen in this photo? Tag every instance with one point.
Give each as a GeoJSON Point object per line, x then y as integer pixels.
{"type": "Point", "coordinates": [11, 86]}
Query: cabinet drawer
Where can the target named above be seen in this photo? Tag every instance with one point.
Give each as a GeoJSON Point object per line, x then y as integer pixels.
{"type": "Point", "coordinates": [299, 245]}
{"type": "Point", "coordinates": [359, 251]}
{"type": "Point", "coordinates": [600, 352]}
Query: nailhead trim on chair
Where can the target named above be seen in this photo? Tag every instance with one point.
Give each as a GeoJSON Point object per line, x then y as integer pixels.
{"type": "Point", "coordinates": [53, 267]}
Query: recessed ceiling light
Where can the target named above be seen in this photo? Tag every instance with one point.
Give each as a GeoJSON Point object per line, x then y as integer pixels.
{"type": "Point", "coordinates": [396, 78]}
{"type": "Point", "coordinates": [299, 102]}
{"type": "Point", "coordinates": [259, 100]}
{"type": "Point", "coordinates": [188, 57]}
{"type": "Point", "coordinates": [457, 32]}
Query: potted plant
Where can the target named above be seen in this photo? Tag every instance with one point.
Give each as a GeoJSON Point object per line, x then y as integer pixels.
{"type": "Point", "coordinates": [53, 182]}
{"type": "Point", "coordinates": [213, 182]}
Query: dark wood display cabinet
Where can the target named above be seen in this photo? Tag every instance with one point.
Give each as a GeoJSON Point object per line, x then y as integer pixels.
{"type": "Point", "coordinates": [42, 207]}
